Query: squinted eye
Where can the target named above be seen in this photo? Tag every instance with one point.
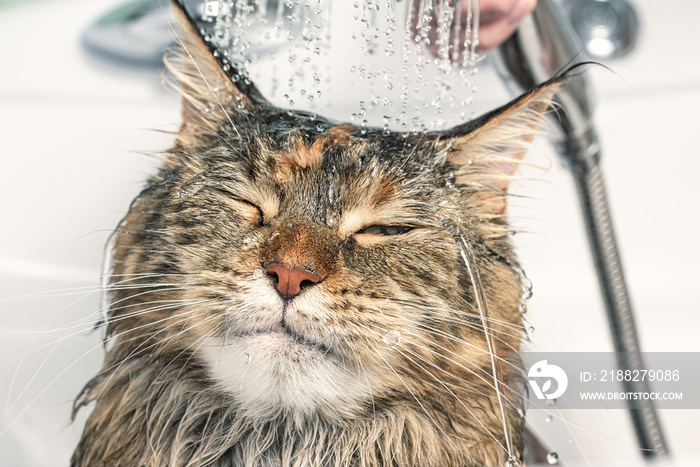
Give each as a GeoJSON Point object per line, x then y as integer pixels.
{"type": "Point", "coordinates": [251, 211]}
{"type": "Point", "coordinates": [384, 230]}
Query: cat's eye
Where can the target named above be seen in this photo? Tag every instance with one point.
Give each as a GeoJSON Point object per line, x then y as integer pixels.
{"type": "Point", "coordinates": [248, 209]}
{"type": "Point", "coordinates": [256, 215]}
{"type": "Point", "coordinates": [384, 230]}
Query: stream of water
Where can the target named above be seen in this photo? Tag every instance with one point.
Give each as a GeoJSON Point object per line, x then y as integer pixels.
{"type": "Point", "coordinates": [401, 65]}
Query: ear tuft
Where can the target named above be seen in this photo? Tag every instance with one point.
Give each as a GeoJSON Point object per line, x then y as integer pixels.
{"type": "Point", "coordinates": [208, 93]}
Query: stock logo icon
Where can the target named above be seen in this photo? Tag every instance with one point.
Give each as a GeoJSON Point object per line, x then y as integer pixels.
{"type": "Point", "coordinates": [547, 373]}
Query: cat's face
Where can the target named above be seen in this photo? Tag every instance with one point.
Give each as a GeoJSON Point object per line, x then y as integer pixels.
{"type": "Point", "coordinates": [310, 268]}
{"type": "Point", "coordinates": [317, 262]}
{"type": "Point", "coordinates": [316, 266]}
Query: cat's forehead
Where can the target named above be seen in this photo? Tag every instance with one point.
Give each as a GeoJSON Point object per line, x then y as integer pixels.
{"type": "Point", "coordinates": [304, 153]}
{"type": "Point", "coordinates": [308, 151]}
{"type": "Point", "coordinates": [290, 149]}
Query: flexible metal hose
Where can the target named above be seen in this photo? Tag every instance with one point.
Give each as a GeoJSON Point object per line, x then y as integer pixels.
{"type": "Point", "coordinates": [594, 204]}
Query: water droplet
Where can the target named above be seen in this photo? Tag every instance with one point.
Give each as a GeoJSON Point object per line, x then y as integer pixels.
{"type": "Point", "coordinates": [513, 462]}
{"type": "Point", "coordinates": [525, 283]}
{"type": "Point", "coordinates": [211, 9]}
{"type": "Point", "coordinates": [332, 218]}
{"type": "Point", "coordinates": [319, 127]}
{"type": "Point", "coordinates": [190, 187]}
{"type": "Point", "coordinates": [551, 402]}
{"type": "Point", "coordinates": [392, 338]}
{"type": "Point", "coordinates": [307, 34]}
{"type": "Point", "coordinates": [549, 419]}
{"type": "Point", "coordinates": [257, 273]}
{"type": "Point", "coordinates": [331, 194]}
{"type": "Point", "coordinates": [553, 458]}
{"type": "Point", "coordinates": [246, 358]}
{"type": "Point", "coordinates": [531, 329]}
{"type": "Point", "coordinates": [250, 240]}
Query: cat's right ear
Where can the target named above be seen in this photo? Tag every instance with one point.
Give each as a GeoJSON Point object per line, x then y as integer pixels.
{"type": "Point", "coordinates": [488, 150]}
{"type": "Point", "coordinates": [209, 94]}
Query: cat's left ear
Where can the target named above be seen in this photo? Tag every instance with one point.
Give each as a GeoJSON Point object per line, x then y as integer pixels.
{"type": "Point", "coordinates": [205, 81]}
{"type": "Point", "coordinates": [489, 150]}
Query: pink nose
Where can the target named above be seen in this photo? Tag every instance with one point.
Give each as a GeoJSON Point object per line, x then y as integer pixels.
{"type": "Point", "coordinates": [290, 281]}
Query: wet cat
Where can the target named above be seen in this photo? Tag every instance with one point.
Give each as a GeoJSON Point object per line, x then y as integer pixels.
{"type": "Point", "coordinates": [289, 292]}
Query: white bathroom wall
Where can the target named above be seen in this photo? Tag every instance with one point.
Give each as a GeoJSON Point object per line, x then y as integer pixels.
{"type": "Point", "coordinates": [75, 131]}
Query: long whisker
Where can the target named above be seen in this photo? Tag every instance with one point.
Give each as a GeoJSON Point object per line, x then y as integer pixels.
{"type": "Point", "coordinates": [457, 339]}
{"type": "Point", "coordinates": [450, 391]}
{"type": "Point", "coordinates": [472, 371]}
{"type": "Point", "coordinates": [432, 419]}
{"type": "Point", "coordinates": [140, 349]}
{"type": "Point", "coordinates": [36, 373]}
{"type": "Point", "coordinates": [453, 338]}
{"type": "Point", "coordinates": [427, 306]}
{"type": "Point", "coordinates": [465, 251]}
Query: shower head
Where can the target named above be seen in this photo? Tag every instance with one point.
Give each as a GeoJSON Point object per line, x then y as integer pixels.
{"type": "Point", "coordinates": [545, 45]}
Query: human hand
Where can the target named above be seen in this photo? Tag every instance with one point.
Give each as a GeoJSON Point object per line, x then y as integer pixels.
{"type": "Point", "coordinates": [498, 19]}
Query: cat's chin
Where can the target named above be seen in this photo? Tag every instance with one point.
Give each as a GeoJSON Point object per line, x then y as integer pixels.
{"type": "Point", "coordinates": [281, 343]}
{"type": "Point", "coordinates": [276, 371]}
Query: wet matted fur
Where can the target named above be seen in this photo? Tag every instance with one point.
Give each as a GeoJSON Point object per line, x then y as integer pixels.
{"type": "Point", "coordinates": [380, 359]}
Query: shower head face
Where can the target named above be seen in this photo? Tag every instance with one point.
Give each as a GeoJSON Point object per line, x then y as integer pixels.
{"type": "Point", "coordinates": [608, 28]}
{"type": "Point", "coordinates": [546, 45]}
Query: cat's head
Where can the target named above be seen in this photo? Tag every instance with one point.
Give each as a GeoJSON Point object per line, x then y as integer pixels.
{"type": "Point", "coordinates": [310, 268]}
